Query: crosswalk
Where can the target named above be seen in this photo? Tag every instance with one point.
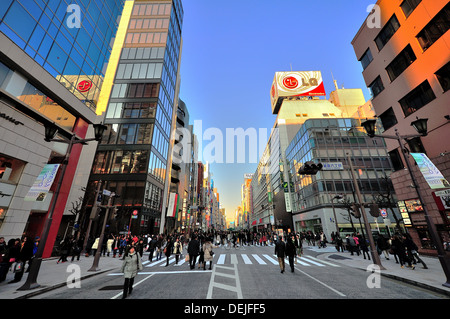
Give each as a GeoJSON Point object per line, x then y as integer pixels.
{"type": "Point", "coordinates": [243, 258]}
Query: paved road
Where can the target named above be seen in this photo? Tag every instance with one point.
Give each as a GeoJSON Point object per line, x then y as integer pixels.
{"type": "Point", "coordinates": [249, 273]}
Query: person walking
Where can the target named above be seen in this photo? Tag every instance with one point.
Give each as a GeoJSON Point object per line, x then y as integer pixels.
{"type": "Point", "coordinates": [24, 252]}
{"type": "Point", "coordinates": [383, 246]}
{"type": "Point", "coordinates": [151, 248]}
{"type": "Point", "coordinates": [131, 265]}
{"type": "Point", "coordinates": [291, 251]}
{"type": "Point", "coordinates": [351, 245]}
{"type": "Point", "coordinates": [298, 246]}
{"type": "Point", "coordinates": [412, 249]}
{"type": "Point", "coordinates": [177, 249]}
{"type": "Point", "coordinates": [208, 253]}
{"type": "Point", "coordinates": [280, 251]}
{"type": "Point", "coordinates": [75, 248]}
{"type": "Point", "coordinates": [65, 250]}
{"type": "Point", "coordinates": [193, 251]}
{"type": "Point", "coordinates": [168, 249]}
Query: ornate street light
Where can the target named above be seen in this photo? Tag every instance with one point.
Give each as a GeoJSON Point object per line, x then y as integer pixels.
{"type": "Point", "coordinates": [50, 133]}
{"type": "Point", "coordinates": [421, 126]}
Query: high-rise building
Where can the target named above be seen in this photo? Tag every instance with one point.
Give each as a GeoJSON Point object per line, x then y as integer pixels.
{"type": "Point", "coordinates": [52, 60]}
{"type": "Point", "coordinates": [404, 50]}
{"type": "Point", "coordinates": [275, 186]}
{"type": "Point", "coordinates": [140, 98]}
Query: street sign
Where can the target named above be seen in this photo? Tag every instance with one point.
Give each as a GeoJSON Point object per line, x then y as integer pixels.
{"type": "Point", "coordinates": [332, 166]}
{"type": "Point", "coordinates": [383, 212]}
{"type": "Point", "coordinates": [106, 192]}
{"type": "Point", "coordinates": [135, 214]}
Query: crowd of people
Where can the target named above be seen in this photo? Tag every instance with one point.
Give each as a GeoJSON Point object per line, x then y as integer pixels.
{"type": "Point", "coordinates": [198, 247]}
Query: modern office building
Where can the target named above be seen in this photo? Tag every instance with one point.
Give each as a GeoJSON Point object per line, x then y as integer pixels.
{"type": "Point", "coordinates": [331, 142]}
{"type": "Point", "coordinates": [276, 187]}
{"type": "Point", "coordinates": [52, 60]}
{"type": "Point", "coordinates": [140, 97]}
{"type": "Point", "coordinates": [406, 65]}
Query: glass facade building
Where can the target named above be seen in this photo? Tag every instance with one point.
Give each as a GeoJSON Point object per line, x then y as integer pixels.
{"type": "Point", "coordinates": [134, 156]}
{"type": "Point", "coordinates": [72, 40]}
{"type": "Point", "coordinates": [329, 141]}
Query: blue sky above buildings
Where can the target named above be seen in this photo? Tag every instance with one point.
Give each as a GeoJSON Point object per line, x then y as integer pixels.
{"type": "Point", "coordinates": [232, 49]}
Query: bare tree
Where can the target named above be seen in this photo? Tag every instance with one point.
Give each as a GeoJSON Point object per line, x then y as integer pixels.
{"type": "Point", "coordinates": [386, 198]}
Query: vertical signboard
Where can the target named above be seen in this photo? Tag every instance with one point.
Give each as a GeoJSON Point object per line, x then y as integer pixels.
{"type": "Point", "coordinates": [430, 172]}
{"type": "Point", "coordinates": [42, 183]}
{"type": "Point", "coordinates": [172, 207]}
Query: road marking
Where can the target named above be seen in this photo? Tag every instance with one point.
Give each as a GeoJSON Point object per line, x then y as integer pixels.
{"type": "Point", "coordinates": [312, 261]}
{"type": "Point", "coordinates": [259, 260]}
{"type": "Point", "coordinates": [320, 282]}
{"type": "Point", "coordinates": [273, 261]}
{"type": "Point", "coordinates": [221, 260]}
{"type": "Point", "coordinates": [323, 261]}
{"type": "Point", "coordinates": [246, 259]}
{"type": "Point", "coordinates": [134, 286]}
{"type": "Point", "coordinates": [237, 289]}
{"type": "Point", "coordinates": [233, 259]}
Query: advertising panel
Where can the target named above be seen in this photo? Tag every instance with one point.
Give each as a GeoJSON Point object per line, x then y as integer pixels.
{"type": "Point", "coordinates": [172, 207]}
{"type": "Point", "coordinates": [290, 84]}
{"type": "Point", "coordinates": [430, 172]}
{"type": "Point", "coordinates": [42, 183]}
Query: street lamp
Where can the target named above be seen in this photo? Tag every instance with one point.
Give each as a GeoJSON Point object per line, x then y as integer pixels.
{"type": "Point", "coordinates": [421, 126]}
{"type": "Point", "coordinates": [50, 133]}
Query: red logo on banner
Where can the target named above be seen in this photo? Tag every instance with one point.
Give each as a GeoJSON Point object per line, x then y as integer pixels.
{"type": "Point", "coordinates": [290, 82]}
{"type": "Point", "coordinates": [84, 86]}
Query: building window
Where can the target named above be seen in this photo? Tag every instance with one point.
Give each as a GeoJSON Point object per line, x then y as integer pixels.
{"type": "Point", "coordinates": [408, 6]}
{"type": "Point", "coordinates": [435, 28]}
{"type": "Point", "coordinates": [443, 76]}
{"type": "Point", "coordinates": [417, 98]}
{"type": "Point", "coordinates": [139, 90]}
{"type": "Point", "coordinates": [388, 119]}
{"type": "Point", "coordinates": [387, 32]}
{"type": "Point", "coordinates": [366, 59]}
{"type": "Point", "coordinates": [416, 146]}
{"type": "Point", "coordinates": [401, 63]}
{"type": "Point", "coordinates": [397, 163]}
{"type": "Point", "coordinates": [376, 87]}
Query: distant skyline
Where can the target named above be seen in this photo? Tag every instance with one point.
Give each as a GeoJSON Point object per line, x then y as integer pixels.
{"type": "Point", "coordinates": [231, 51]}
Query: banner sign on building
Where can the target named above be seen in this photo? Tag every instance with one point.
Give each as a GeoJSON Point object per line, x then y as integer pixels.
{"type": "Point", "coordinates": [42, 183]}
{"type": "Point", "coordinates": [172, 207]}
{"type": "Point", "coordinates": [290, 84]}
{"type": "Point", "coordinates": [432, 175]}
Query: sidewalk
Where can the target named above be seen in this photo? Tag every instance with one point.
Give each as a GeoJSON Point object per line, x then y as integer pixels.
{"type": "Point", "coordinates": [431, 278]}
{"type": "Point", "coordinates": [53, 275]}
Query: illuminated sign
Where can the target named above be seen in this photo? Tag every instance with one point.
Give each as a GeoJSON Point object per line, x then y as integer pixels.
{"type": "Point", "coordinates": [290, 84]}
{"type": "Point", "coordinates": [430, 172]}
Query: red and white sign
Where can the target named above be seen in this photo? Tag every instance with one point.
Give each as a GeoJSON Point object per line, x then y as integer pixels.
{"type": "Point", "coordinates": [172, 207]}
{"type": "Point", "coordinates": [84, 86]}
{"type": "Point", "coordinates": [289, 84]}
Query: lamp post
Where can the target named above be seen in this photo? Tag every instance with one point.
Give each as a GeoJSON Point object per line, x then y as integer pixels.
{"type": "Point", "coordinates": [50, 133]}
{"type": "Point", "coordinates": [421, 127]}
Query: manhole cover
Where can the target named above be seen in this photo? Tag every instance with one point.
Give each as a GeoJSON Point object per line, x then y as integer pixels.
{"type": "Point", "coordinates": [338, 257]}
{"type": "Point", "coordinates": [119, 287]}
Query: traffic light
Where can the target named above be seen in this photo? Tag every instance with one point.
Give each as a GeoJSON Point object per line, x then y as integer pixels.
{"type": "Point", "coordinates": [374, 210]}
{"type": "Point", "coordinates": [355, 211]}
{"type": "Point", "coordinates": [310, 168]}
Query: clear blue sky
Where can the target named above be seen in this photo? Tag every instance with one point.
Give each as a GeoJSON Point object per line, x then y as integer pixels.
{"type": "Point", "coordinates": [232, 49]}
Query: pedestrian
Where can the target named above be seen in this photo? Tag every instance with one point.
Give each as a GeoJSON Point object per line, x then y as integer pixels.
{"type": "Point", "coordinates": [280, 251]}
{"type": "Point", "coordinates": [399, 250]}
{"type": "Point", "coordinates": [122, 245]}
{"type": "Point", "coordinates": [363, 244]}
{"type": "Point", "coordinates": [159, 245]}
{"type": "Point", "coordinates": [151, 248]}
{"type": "Point", "coordinates": [23, 253]}
{"type": "Point", "coordinates": [339, 243]}
{"type": "Point", "coordinates": [94, 246]}
{"type": "Point", "coordinates": [109, 245]}
{"type": "Point", "coordinates": [4, 257]}
{"type": "Point", "coordinates": [168, 248]}
{"type": "Point", "coordinates": [140, 246]}
{"type": "Point", "coordinates": [291, 251]}
{"type": "Point", "coordinates": [351, 245]}
{"type": "Point", "coordinates": [208, 252]}
{"type": "Point", "coordinates": [299, 246]}
{"type": "Point", "coordinates": [177, 249]}
{"type": "Point", "coordinates": [383, 246]}
{"type": "Point", "coordinates": [412, 249]}
{"type": "Point", "coordinates": [193, 251]}
{"type": "Point", "coordinates": [75, 248]}
{"type": "Point", "coordinates": [64, 250]}
{"type": "Point", "coordinates": [131, 265]}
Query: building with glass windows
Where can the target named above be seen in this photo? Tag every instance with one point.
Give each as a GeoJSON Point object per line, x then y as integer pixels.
{"type": "Point", "coordinates": [140, 98]}
{"type": "Point", "coordinates": [52, 61]}
{"type": "Point", "coordinates": [331, 142]}
{"type": "Point", "coordinates": [273, 185]}
{"type": "Point", "coordinates": [406, 65]}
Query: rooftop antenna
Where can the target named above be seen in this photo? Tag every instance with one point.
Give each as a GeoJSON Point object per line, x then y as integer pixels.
{"type": "Point", "coordinates": [291, 67]}
{"type": "Point", "coordinates": [334, 81]}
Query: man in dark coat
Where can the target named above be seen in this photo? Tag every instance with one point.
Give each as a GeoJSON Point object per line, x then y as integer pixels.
{"type": "Point", "coordinates": [193, 251]}
{"type": "Point", "coordinates": [291, 251]}
{"type": "Point", "coordinates": [280, 251]}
